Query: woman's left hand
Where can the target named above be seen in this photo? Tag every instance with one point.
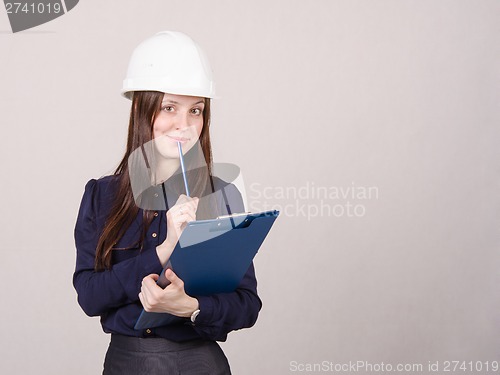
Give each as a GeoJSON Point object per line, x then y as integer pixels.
{"type": "Point", "coordinates": [173, 299]}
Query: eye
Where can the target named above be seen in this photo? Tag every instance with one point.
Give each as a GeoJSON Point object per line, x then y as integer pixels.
{"type": "Point", "coordinates": [167, 108]}
{"type": "Point", "coordinates": [196, 111]}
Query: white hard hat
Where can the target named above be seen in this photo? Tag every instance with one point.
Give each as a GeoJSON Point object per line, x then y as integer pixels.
{"type": "Point", "coordinates": [169, 62]}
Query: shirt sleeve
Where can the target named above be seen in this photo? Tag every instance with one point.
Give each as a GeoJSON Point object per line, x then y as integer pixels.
{"type": "Point", "coordinates": [100, 291]}
{"type": "Point", "coordinates": [226, 312]}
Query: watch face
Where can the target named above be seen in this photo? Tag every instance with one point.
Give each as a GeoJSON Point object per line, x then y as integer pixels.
{"type": "Point", "coordinates": [194, 315]}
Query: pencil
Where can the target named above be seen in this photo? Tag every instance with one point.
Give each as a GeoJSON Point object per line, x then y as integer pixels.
{"type": "Point", "coordinates": [183, 168]}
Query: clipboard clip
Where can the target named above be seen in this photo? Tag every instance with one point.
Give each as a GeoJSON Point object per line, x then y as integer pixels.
{"type": "Point", "coordinates": [233, 215]}
{"type": "Point", "coordinates": [239, 220]}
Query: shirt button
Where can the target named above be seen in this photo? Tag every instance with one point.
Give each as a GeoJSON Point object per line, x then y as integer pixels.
{"type": "Point", "coordinates": [155, 214]}
{"type": "Point", "coordinates": [156, 195]}
{"type": "Point", "coordinates": [154, 235]}
{"type": "Point", "coordinates": [148, 331]}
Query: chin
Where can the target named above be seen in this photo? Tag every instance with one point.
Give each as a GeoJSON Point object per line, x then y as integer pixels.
{"type": "Point", "coordinates": [168, 154]}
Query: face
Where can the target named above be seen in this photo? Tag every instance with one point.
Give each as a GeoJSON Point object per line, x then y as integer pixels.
{"type": "Point", "coordinates": [180, 120]}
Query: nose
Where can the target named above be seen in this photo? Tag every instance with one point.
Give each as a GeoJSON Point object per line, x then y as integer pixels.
{"type": "Point", "coordinates": [182, 120]}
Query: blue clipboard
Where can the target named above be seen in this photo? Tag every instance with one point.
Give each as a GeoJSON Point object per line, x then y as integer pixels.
{"type": "Point", "coordinates": [212, 256]}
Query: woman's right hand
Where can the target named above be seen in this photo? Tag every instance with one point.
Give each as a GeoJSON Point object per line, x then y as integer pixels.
{"type": "Point", "coordinates": [178, 216]}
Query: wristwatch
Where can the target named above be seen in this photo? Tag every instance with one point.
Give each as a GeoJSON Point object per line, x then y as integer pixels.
{"type": "Point", "coordinates": [194, 315]}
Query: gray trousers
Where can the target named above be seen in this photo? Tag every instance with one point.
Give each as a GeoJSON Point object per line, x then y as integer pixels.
{"type": "Point", "coordinates": [158, 356]}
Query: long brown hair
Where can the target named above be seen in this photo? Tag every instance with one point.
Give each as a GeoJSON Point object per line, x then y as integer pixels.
{"type": "Point", "coordinates": [145, 107]}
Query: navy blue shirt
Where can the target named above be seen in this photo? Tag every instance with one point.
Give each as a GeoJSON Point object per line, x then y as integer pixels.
{"type": "Point", "coordinates": [114, 294]}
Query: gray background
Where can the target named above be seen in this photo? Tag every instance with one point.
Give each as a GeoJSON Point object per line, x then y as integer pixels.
{"type": "Point", "coordinates": [400, 95]}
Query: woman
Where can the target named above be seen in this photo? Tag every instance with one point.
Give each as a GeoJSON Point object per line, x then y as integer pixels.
{"type": "Point", "coordinates": [128, 224]}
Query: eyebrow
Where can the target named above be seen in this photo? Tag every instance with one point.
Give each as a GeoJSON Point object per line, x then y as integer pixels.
{"type": "Point", "coordinates": [174, 102]}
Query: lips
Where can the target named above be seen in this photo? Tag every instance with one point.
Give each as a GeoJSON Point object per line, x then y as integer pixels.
{"type": "Point", "coordinates": [178, 139]}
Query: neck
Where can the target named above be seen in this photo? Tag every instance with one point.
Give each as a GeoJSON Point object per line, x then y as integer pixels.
{"type": "Point", "coordinates": [165, 169]}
